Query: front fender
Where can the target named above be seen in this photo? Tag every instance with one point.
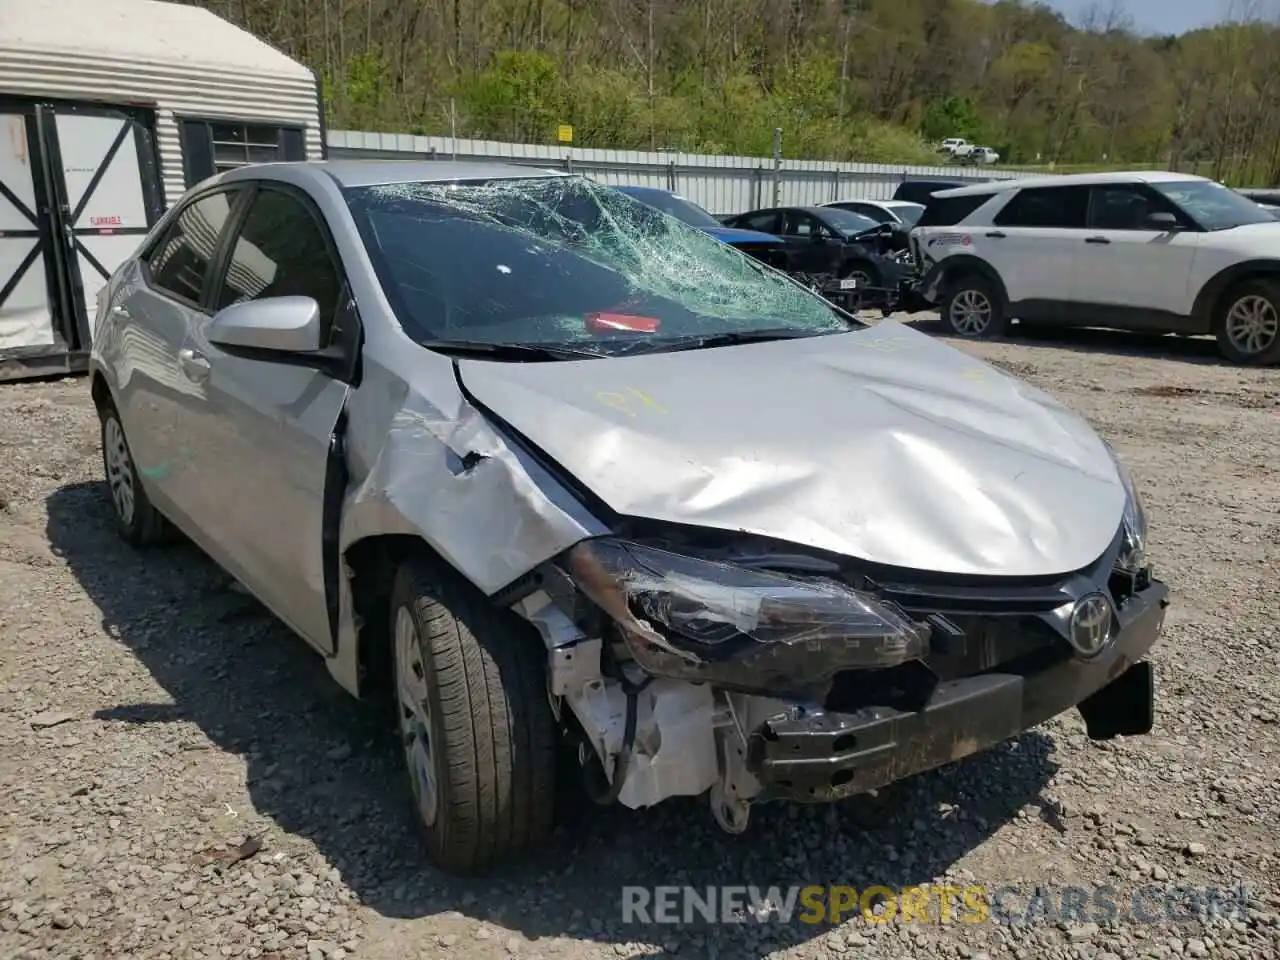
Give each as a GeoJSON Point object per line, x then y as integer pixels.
{"type": "Point", "coordinates": [1223, 280]}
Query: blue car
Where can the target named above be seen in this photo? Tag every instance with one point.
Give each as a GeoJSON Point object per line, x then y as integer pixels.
{"type": "Point", "coordinates": [763, 246]}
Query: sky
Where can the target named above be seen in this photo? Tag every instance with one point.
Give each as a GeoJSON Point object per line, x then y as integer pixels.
{"type": "Point", "coordinates": [1162, 16]}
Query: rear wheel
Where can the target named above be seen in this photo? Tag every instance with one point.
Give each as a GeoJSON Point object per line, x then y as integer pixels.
{"type": "Point", "coordinates": [972, 309]}
{"type": "Point", "coordinates": [1248, 323]}
{"type": "Point", "coordinates": [478, 734]}
{"type": "Point", "coordinates": [137, 521]}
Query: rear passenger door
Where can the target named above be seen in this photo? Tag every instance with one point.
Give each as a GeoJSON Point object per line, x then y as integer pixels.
{"type": "Point", "coordinates": [1034, 242]}
{"type": "Point", "coordinates": [264, 435]}
{"type": "Point", "coordinates": [154, 314]}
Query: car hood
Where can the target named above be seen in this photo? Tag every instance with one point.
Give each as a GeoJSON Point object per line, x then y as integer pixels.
{"type": "Point", "coordinates": [734, 235]}
{"type": "Point", "coordinates": [879, 444]}
{"type": "Point", "coordinates": [1260, 238]}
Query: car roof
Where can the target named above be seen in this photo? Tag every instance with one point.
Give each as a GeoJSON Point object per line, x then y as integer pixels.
{"type": "Point", "coordinates": [1068, 180]}
{"type": "Point", "coordinates": [371, 173]}
{"type": "Point", "coordinates": [888, 204]}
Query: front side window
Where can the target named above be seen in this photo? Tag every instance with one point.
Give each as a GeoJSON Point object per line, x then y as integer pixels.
{"type": "Point", "coordinates": [548, 261]}
{"type": "Point", "coordinates": [179, 262]}
{"type": "Point", "coordinates": [281, 252]}
{"type": "Point", "coordinates": [1123, 206]}
{"type": "Point", "coordinates": [1211, 205]}
{"type": "Point", "coordinates": [1059, 207]}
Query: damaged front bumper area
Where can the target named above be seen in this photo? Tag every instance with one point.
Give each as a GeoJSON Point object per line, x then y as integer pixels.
{"type": "Point", "coordinates": [814, 755]}
{"type": "Point", "coordinates": [712, 671]}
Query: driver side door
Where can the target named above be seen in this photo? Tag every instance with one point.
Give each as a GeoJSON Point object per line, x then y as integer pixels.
{"type": "Point", "coordinates": [814, 249]}
{"type": "Point", "coordinates": [265, 436]}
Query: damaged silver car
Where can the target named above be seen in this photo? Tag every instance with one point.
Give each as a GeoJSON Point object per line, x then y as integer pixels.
{"type": "Point", "coordinates": [550, 468]}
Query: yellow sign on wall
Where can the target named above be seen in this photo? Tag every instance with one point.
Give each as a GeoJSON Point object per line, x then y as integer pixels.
{"type": "Point", "coordinates": [565, 133]}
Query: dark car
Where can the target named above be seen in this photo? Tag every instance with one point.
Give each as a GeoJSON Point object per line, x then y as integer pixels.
{"type": "Point", "coordinates": [919, 191]}
{"type": "Point", "coordinates": [760, 245]}
{"type": "Point", "coordinates": [828, 240]}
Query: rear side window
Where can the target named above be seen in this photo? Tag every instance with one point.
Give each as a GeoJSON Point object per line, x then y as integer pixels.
{"type": "Point", "coordinates": [948, 211]}
{"type": "Point", "coordinates": [179, 262]}
{"type": "Point", "coordinates": [1062, 207]}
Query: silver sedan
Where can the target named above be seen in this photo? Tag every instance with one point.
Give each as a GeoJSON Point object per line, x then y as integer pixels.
{"type": "Point", "coordinates": [549, 467]}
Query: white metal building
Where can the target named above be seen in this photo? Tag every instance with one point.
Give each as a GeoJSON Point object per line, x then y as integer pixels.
{"type": "Point", "coordinates": [109, 110]}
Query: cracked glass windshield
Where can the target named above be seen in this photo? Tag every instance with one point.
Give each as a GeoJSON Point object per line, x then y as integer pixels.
{"type": "Point", "coordinates": [567, 263]}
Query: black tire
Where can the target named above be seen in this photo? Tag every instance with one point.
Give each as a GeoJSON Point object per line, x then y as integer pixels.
{"type": "Point", "coordinates": [864, 269]}
{"type": "Point", "coordinates": [1261, 298]}
{"type": "Point", "coordinates": [963, 305]}
{"type": "Point", "coordinates": [137, 521]}
{"type": "Point", "coordinates": [489, 725]}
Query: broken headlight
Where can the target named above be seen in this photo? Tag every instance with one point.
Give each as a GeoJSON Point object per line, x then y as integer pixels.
{"type": "Point", "coordinates": [1133, 557]}
{"type": "Point", "coordinates": [692, 607]}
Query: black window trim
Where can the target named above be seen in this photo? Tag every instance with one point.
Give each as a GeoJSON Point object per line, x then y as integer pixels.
{"type": "Point", "coordinates": [1061, 187]}
{"type": "Point", "coordinates": [166, 224]}
{"type": "Point", "coordinates": [1185, 221]}
{"type": "Point", "coordinates": [339, 361]}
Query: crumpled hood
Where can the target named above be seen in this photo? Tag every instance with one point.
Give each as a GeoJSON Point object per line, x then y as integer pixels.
{"type": "Point", "coordinates": [735, 235]}
{"type": "Point", "coordinates": [880, 444]}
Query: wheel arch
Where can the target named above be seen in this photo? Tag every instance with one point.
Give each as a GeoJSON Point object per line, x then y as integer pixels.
{"type": "Point", "coordinates": [956, 268]}
{"type": "Point", "coordinates": [1209, 300]}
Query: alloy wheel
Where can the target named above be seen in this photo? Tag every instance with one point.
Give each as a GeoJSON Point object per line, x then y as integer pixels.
{"type": "Point", "coordinates": [414, 711]}
{"type": "Point", "coordinates": [119, 469]}
{"type": "Point", "coordinates": [1252, 324]}
{"type": "Point", "coordinates": [970, 313]}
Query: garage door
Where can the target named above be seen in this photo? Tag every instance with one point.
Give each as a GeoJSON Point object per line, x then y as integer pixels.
{"type": "Point", "coordinates": [79, 188]}
{"type": "Point", "coordinates": [26, 313]}
{"type": "Point", "coordinates": [106, 202]}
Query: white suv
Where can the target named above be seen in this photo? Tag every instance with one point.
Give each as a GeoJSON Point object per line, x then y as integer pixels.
{"type": "Point", "coordinates": [1138, 251]}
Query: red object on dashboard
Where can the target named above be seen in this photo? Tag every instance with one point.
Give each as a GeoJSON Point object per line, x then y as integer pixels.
{"type": "Point", "coordinates": [621, 323]}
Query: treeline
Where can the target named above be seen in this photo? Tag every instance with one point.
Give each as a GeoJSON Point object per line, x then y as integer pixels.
{"type": "Point", "coordinates": [869, 80]}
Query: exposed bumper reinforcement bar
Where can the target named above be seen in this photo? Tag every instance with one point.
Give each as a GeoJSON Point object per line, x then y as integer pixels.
{"type": "Point", "coordinates": [818, 757]}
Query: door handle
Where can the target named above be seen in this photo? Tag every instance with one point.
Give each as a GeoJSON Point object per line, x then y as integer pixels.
{"type": "Point", "coordinates": [1096, 240]}
{"type": "Point", "coordinates": [120, 310]}
{"type": "Point", "coordinates": [997, 235]}
{"type": "Point", "coordinates": [194, 365]}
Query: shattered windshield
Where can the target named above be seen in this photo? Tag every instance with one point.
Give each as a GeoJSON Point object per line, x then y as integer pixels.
{"type": "Point", "coordinates": [677, 206]}
{"type": "Point", "coordinates": [563, 262]}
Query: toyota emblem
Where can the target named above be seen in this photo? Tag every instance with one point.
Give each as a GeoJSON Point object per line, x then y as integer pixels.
{"type": "Point", "coordinates": [1090, 629]}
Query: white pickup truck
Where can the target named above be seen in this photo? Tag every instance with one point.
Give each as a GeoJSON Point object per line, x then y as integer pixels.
{"type": "Point", "coordinates": [956, 146]}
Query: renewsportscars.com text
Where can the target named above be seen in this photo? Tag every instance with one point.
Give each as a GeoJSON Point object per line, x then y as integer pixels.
{"type": "Point", "coordinates": [930, 904]}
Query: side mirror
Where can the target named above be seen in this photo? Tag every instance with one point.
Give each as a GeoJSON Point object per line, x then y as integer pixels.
{"type": "Point", "coordinates": [273, 325]}
{"type": "Point", "coordinates": [1162, 221]}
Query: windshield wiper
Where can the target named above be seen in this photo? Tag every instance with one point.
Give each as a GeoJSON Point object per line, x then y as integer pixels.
{"type": "Point", "coordinates": [728, 339]}
{"type": "Point", "coordinates": [519, 352]}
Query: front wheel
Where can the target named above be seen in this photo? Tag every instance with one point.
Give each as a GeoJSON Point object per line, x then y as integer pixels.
{"type": "Point", "coordinates": [863, 272]}
{"type": "Point", "coordinates": [972, 309]}
{"type": "Point", "coordinates": [478, 734]}
{"type": "Point", "coordinates": [1248, 324]}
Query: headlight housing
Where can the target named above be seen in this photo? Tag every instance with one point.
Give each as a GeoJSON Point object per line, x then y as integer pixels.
{"type": "Point", "coordinates": [1133, 558]}
{"type": "Point", "coordinates": [708, 611]}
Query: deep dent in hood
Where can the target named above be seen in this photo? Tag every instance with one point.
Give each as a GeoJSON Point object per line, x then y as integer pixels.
{"type": "Point", "coordinates": [879, 444]}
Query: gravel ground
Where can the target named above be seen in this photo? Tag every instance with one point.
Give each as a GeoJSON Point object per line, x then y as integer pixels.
{"type": "Point", "coordinates": [179, 777]}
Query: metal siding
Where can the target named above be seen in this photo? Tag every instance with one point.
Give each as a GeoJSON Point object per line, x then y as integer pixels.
{"type": "Point", "coordinates": [721, 184]}
{"type": "Point", "coordinates": [172, 90]}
